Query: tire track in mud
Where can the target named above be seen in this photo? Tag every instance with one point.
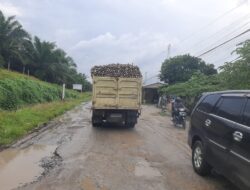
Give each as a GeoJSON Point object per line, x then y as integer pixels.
{"type": "Point", "coordinates": [152, 156]}
{"type": "Point", "coordinates": [168, 132]}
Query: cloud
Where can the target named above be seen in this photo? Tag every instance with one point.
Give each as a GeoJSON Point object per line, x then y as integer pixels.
{"type": "Point", "coordinates": [9, 9]}
{"type": "Point", "coordinates": [105, 31]}
{"type": "Point", "coordinates": [104, 39]}
{"type": "Point", "coordinates": [144, 49]}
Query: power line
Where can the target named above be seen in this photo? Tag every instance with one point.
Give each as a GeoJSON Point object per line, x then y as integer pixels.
{"type": "Point", "coordinates": [218, 18]}
{"type": "Point", "coordinates": [237, 58]}
{"type": "Point", "coordinates": [212, 49]}
{"type": "Point", "coordinates": [212, 57]}
{"type": "Point", "coordinates": [154, 76]}
{"type": "Point", "coordinates": [215, 20]}
{"type": "Point", "coordinates": [227, 35]}
{"type": "Point", "coordinates": [222, 60]}
{"type": "Point", "coordinates": [224, 28]}
{"type": "Point", "coordinates": [232, 61]}
{"type": "Point", "coordinates": [223, 54]}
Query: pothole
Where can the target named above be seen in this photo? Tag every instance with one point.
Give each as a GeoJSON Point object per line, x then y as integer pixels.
{"type": "Point", "coordinates": [48, 163]}
{"type": "Point", "coordinates": [143, 169]}
{"type": "Point", "coordinates": [21, 166]}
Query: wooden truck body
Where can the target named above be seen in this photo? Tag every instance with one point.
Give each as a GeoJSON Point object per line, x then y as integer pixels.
{"type": "Point", "coordinates": [116, 99]}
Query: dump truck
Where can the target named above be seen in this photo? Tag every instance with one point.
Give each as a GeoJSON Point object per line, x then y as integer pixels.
{"type": "Point", "coordinates": [116, 95]}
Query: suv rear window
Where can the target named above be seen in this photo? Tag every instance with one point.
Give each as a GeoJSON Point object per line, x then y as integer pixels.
{"type": "Point", "coordinates": [230, 108]}
{"type": "Point", "coordinates": [246, 115]}
{"type": "Point", "coordinates": [208, 103]}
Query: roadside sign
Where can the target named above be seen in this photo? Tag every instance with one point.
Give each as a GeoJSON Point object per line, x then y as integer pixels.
{"type": "Point", "coordinates": [63, 92]}
{"type": "Point", "coordinates": [77, 87]}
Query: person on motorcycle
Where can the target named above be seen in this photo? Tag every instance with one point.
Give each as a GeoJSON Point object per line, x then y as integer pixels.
{"type": "Point", "coordinates": [176, 105]}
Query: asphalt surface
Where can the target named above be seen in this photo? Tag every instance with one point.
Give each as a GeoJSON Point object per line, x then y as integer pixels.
{"type": "Point", "coordinates": [70, 154]}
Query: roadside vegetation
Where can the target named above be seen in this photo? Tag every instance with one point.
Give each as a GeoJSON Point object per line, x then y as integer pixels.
{"type": "Point", "coordinates": [32, 72]}
{"type": "Point", "coordinates": [16, 124]}
{"type": "Point", "coordinates": [189, 84]}
{"type": "Point", "coordinates": [17, 90]}
{"type": "Point", "coordinates": [21, 52]}
{"type": "Point", "coordinates": [26, 103]}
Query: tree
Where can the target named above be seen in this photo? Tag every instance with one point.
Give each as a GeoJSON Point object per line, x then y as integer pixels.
{"type": "Point", "coordinates": [48, 62]}
{"type": "Point", "coordinates": [182, 67]}
{"type": "Point", "coordinates": [236, 75]}
{"type": "Point", "coordinates": [191, 90]}
{"type": "Point", "coordinates": [1, 61]}
{"type": "Point", "coordinates": [52, 64]}
{"type": "Point", "coordinates": [43, 59]}
{"type": "Point", "coordinates": [12, 39]}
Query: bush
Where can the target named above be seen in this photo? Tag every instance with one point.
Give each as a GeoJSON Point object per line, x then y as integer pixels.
{"type": "Point", "coordinates": [8, 101]}
{"type": "Point", "coordinates": [191, 90]}
{"type": "Point", "coordinates": [18, 91]}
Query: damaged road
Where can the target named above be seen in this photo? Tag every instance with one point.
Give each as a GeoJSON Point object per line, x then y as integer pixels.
{"type": "Point", "coordinates": [69, 153]}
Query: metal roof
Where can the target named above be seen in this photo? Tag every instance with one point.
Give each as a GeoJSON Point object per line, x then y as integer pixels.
{"type": "Point", "coordinates": [154, 85]}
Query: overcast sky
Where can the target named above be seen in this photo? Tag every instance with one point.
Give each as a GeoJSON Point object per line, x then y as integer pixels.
{"type": "Point", "coordinates": [98, 32]}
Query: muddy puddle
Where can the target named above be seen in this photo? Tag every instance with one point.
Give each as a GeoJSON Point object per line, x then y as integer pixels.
{"type": "Point", "coordinates": [21, 166]}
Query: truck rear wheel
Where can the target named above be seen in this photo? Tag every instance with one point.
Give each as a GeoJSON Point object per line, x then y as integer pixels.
{"type": "Point", "coordinates": [131, 119]}
{"type": "Point", "coordinates": [95, 124]}
{"type": "Point", "coordinates": [131, 125]}
{"type": "Point", "coordinates": [96, 119]}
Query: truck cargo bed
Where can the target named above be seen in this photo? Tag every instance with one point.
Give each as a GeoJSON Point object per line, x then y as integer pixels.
{"type": "Point", "coordinates": [116, 93]}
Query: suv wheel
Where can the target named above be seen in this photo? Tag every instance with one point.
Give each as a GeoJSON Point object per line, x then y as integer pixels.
{"type": "Point", "coordinates": [200, 165]}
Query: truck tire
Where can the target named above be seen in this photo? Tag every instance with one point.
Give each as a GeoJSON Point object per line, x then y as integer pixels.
{"type": "Point", "coordinates": [95, 124]}
{"type": "Point", "coordinates": [131, 119]}
{"type": "Point", "coordinates": [96, 119]}
{"type": "Point", "coordinates": [131, 125]}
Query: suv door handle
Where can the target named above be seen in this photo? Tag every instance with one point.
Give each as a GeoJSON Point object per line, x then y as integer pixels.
{"type": "Point", "coordinates": [238, 136]}
{"type": "Point", "coordinates": [208, 122]}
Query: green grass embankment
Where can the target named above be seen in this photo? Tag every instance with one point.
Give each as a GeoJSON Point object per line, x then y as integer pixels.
{"type": "Point", "coordinates": [17, 90]}
{"type": "Point", "coordinates": [26, 103]}
{"type": "Point", "coordinates": [16, 124]}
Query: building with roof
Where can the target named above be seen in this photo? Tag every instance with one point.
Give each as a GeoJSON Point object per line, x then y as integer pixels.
{"type": "Point", "coordinates": [150, 92]}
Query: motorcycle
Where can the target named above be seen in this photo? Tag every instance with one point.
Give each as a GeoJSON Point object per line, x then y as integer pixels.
{"type": "Point", "coordinates": [180, 118]}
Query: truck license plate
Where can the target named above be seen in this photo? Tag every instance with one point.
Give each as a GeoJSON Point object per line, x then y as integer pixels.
{"type": "Point", "coordinates": [116, 115]}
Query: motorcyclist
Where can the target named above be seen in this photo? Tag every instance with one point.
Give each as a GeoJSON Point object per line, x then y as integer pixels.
{"type": "Point", "coordinates": [176, 105]}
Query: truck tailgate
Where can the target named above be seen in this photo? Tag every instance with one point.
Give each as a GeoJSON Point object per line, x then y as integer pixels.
{"type": "Point", "coordinates": [116, 93]}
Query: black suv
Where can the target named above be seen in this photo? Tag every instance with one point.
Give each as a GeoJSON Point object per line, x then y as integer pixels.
{"type": "Point", "coordinates": [219, 135]}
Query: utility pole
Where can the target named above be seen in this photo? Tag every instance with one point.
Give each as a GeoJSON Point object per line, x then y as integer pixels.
{"type": "Point", "coordinates": [145, 77]}
{"type": "Point", "coordinates": [63, 92]}
{"type": "Point", "coordinates": [169, 51]}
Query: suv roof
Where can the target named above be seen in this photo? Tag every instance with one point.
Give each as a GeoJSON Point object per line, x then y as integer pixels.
{"type": "Point", "coordinates": [245, 92]}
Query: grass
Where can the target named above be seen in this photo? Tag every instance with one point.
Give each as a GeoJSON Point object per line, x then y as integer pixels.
{"type": "Point", "coordinates": [17, 90]}
{"type": "Point", "coordinates": [16, 124]}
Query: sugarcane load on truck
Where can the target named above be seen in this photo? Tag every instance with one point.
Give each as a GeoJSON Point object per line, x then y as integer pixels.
{"type": "Point", "coordinates": [116, 96]}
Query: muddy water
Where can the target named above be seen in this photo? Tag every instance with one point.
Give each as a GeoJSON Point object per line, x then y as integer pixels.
{"type": "Point", "coordinates": [20, 166]}
{"type": "Point", "coordinates": [152, 156]}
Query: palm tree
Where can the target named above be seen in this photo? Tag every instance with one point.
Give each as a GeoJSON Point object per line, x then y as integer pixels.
{"type": "Point", "coordinates": [45, 60]}
{"type": "Point", "coordinates": [50, 63]}
{"type": "Point", "coordinates": [42, 58]}
{"type": "Point", "coordinates": [12, 39]}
